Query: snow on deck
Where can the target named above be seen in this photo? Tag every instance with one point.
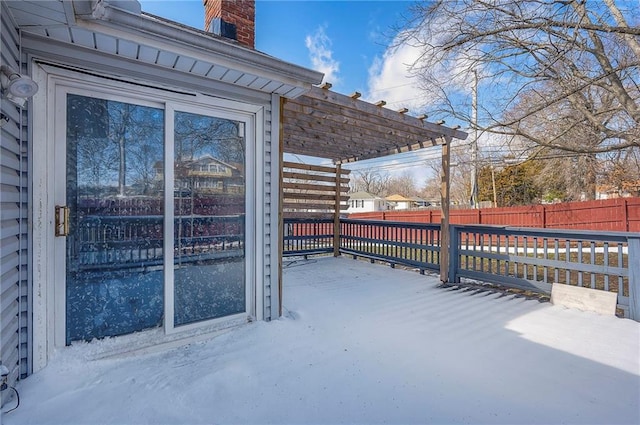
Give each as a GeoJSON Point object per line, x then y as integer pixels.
{"type": "Point", "coordinates": [362, 343]}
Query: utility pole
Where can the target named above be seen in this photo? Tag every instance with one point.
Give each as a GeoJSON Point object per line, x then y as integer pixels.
{"type": "Point", "coordinates": [474, 143]}
{"type": "Point", "coordinates": [493, 184]}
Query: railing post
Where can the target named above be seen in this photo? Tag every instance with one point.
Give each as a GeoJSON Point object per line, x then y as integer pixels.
{"type": "Point", "coordinates": [336, 213]}
{"type": "Point", "coordinates": [633, 244]}
{"type": "Point", "coordinates": [454, 256]}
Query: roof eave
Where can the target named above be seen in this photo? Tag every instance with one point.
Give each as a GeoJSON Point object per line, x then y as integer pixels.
{"type": "Point", "coordinates": [251, 60]}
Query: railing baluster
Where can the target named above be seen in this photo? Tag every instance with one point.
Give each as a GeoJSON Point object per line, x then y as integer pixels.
{"type": "Point", "coordinates": [466, 247]}
{"type": "Point", "coordinates": [535, 255]}
{"type": "Point", "coordinates": [556, 269]}
{"type": "Point", "coordinates": [620, 264]}
{"type": "Point", "coordinates": [545, 251]}
{"type": "Point", "coordinates": [592, 259]}
{"type": "Point", "coordinates": [516, 247]}
{"type": "Point", "coordinates": [490, 265]}
{"type": "Point", "coordinates": [525, 269]}
{"type": "Point", "coordinates": [580, 262]}
{"type": "Point", "coordinates": [606, 264]}
{"type": "Point", "coordinates": [567, 245]}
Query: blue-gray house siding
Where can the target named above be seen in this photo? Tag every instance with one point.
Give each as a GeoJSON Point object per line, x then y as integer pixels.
{"type": "Point", "coordinates": [14, 340]}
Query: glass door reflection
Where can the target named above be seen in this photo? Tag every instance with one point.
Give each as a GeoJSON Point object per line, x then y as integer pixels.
{"type": "Point", "coordinates": [209, 218]}
{"type": "Point", "coordinates": [114, 193]}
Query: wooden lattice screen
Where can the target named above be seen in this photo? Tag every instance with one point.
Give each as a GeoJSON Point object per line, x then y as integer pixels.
{"type": "Point", "coordinates": [314, 191]}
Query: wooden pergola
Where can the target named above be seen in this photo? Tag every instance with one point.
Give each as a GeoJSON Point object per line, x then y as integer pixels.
{"type": "Point", "coordinates": [326, 124]}
{"type": "Point", "coordinates": [344, 129]}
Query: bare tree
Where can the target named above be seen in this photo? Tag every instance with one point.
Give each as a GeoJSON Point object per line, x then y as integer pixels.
{"type": "Point", "coordinates": [137, 133]}
{"type": "Point", "coordinates": [431, 189]}
{"type": "Point", "coordinates": [198, 135]}
{"type": "Point", "coordinates": [91, 156]}
{"type": "Point", "coordinates": [566, 176]}
{"type": "Point", "coordinates": [459, 176]}
{"type": "Point", "coordinates": [562, 74]}
{"type": "Point", "coordinates": [95, 159]}
{"type": "Point", "coordinates": [403, 184]}
{"type": "Point", "coordinates": [621, 170]}
{"type": "Point", "coordinates": [369, 180]}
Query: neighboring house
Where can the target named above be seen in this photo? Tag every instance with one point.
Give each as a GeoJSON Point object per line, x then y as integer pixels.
{"type": "Point", "coordinates": [366, 202]}
{"type": "Point", "coordinates": [92, 243]}
{"type": "Point", "coordinates": [627, 190]}
{"type": "Point", "coordinates": [399, 202]}
{"type": "Point", "coordinates": [433, 202]}
{"type": "Point", "coordinates": [420, 203]}
{"type": "Point", "coordinates": [204, 175]}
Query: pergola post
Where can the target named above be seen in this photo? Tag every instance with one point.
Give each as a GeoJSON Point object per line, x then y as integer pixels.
{"type": "Point", "coordinates": [444, 219]}
{"type": "Point", "coordinates": [336, 212]}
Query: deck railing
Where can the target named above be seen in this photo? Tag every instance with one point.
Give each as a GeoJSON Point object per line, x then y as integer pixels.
{"type": "Point", "coordinates": [534, 259]}
{"type": "Point", "coordinates": [524, 258]}
{"type": "Point", "coordinates": [304, 236]}
{"type": "Point", "coordinates": [106, 242]}
{"type": "Point", "coordinates": [410, 244]}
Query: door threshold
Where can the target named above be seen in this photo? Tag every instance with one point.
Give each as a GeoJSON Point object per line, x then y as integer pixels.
{"type": "Point", "coordinates": [156, 340]}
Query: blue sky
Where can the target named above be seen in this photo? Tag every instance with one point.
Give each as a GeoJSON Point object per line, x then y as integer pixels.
{"type": "Point", "coordinates": [347, 40]}
{"type": "Point", "coordinates": [344, 39]}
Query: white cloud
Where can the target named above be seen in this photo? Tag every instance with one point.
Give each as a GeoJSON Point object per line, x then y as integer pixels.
{"type": "Point", "coordinates": [390, 79]}
{"type": "Point", "coordinates": [397, 78]}
{"type": "Point", "coordinates": [319, 46]}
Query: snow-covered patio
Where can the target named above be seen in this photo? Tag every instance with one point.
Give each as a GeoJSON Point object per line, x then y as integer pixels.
{"type": "Point", "coordinates": [361, 343]}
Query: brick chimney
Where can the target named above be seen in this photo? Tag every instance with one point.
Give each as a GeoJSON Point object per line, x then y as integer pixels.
{"type": "Point", "coordinates": [233, 19]}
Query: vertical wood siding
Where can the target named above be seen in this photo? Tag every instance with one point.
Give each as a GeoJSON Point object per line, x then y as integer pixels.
{"type": "Point", "coordinates": [13, 219]}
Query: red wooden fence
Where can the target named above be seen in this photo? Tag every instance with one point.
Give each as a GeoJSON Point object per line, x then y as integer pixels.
{"type": "Point", "coordinates": [615, 215]}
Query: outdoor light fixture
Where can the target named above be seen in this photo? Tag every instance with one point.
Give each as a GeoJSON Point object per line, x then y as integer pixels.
{"type": "Point", "coordinates": [15, 87]}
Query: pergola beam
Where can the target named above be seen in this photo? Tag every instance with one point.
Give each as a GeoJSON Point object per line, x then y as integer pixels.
{"type": "Point", "coordinates": [334, 98]}
{"type": "Point", "coordinates": [315, 112]}
{"type": "Point", "coordinates": [392, 151]}
{"type": "Point", "coordinates": [345, 147]}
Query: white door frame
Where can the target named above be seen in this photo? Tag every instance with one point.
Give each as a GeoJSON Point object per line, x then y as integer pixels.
{"type": "Point", "coordinates": [49, 106]}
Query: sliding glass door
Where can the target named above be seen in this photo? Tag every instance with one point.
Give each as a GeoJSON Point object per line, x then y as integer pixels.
{"type": "Point", "coordinates": [153, 215]}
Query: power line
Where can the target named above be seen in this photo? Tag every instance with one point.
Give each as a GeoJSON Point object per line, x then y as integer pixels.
{"type": "Point", "coordinates": [397, 165]}
{"type": "Point", "coordinates": [389, 88]}
{"type": "Point", "coordinates": [378, 164]}
{"type": "Point", "coordinates": [355, 166]}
